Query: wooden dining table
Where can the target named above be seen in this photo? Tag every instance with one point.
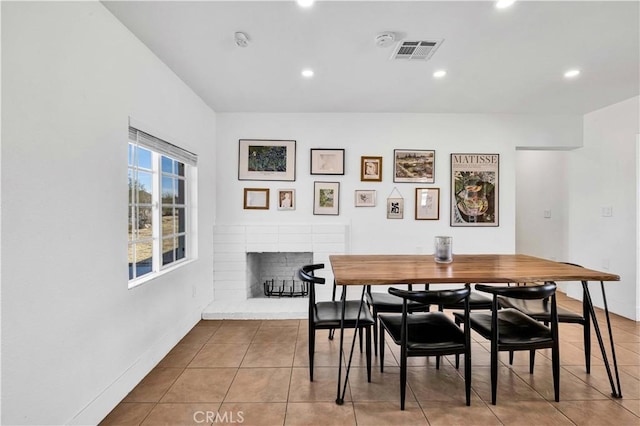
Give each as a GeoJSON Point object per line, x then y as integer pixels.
{"type": "Point", "coordinates": [364, 270]}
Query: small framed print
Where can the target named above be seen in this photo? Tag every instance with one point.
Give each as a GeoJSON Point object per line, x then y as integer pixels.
{"type": "Point", "coordinates": [414, 165]}
{"type": "Point", "coordinates": [427, 203]}
{"type": "Point", "coordinates": [267, 160]}
{"type": "Point", "coordinates": [371, 169]}
{"type": "Point", "coordinates": [286, 199]}
{"type": "Point", "coordinates": [326, 198]}
{"type": "Point", "coordinates": [365, 198]}
{"type": "Point", "coordinates": [395, 208]}
{"type": "Point", "coordinates": [327, 161]}
{"type": "Point", "coordinates": [256, 198]}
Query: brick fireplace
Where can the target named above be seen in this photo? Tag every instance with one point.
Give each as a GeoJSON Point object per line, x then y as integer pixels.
{"type": "Point", "coordinates": [234, 291]}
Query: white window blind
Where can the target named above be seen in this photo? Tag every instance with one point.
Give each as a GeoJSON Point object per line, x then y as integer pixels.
{"type": "Point", "coordinates": [162, 147]}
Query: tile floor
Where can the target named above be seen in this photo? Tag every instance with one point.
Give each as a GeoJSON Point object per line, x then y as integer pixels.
{"type": "Point", "coordinates": [256, 373]}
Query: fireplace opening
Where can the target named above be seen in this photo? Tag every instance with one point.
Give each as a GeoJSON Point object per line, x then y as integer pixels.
{"type": "Point", "coordinates": [275, 274]}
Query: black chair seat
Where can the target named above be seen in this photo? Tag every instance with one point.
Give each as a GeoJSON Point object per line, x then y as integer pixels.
{"type": "Point", "coordinates": [515, 327]}
{"type": "Point", "coordinates": [540, 310]}
{"type": "Point", "coordinates": [327, 314]}
{"type": "Point", "coordinates": [432, 330]}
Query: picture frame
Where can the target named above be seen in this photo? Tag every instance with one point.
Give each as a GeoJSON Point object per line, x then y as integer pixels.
{"type": "Point", "coordinates": [475, 188]}
{"type": "Point", "coordinates": [256, 198]}
{"type": "Point", "coordinates": [260, 159]}
{"type": "Point", "coordinates": [286, 199]}
{"type": "Point", "coordinates": [326, 198]}
{"type": "Point", "coordinates": [326, 161]}
{"type": "Point", "coordinates": [427, 203]}
{"type": "Point", "coordinates": [414, 165]}
{"type": "Point", "coordinates": [371, 169]}
{"type": "Point", "coordinates": [365, 198]}
{"type": "Point", "coordinates": [395, 208]}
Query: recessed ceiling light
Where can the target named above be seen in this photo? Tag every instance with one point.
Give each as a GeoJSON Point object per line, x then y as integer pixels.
{"type": "Point", "coordinates": [572, 73]}
{"type": "Point", "coordinates": [502, 4]}
{"type": "Point", "coordinates": [305, 3]}
{"type": "Point", "coordinates": [439, 73]}
{"type": "Point", "coordinates": [307, 73]}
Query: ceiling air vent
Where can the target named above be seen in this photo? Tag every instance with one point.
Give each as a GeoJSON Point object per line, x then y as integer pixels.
{"type": "Point", "coordinates": [415, 50]}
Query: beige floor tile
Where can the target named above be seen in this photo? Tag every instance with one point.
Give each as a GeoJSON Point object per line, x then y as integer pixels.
{"type": "Point", "coordinates": [632, 405]}
{"type": "Point", "coordinates": [172, 414]}
{"type": "Point", "coordinates": [234, 334]}
{"type": "Point", "coordinates": [128, 413]}
{"type": "Point", "coordinates": [282, 323]}
{"type": "Point", "coordinates": [597, 413]}
{"type": "Point", "coordinates": [260, 385]}
{"type": "Point", "coordinates": [180, 356]}
{"type": "Point", "coordinates": [450, 413]}
{"type": "Point", "coordinates": [383, 386]}
{"type": "Point", "coordinates": [632, 370]}
{"type": "Point", "coordinates": [254, 413]}
{"type": "Point", "coordinates": [445, 384]}
{"type": "Point", "coordinates": [276, 335]}
{"type": "Point", "coordinates": [598, 379]}
{"type": "Point", "coordinates": [201, 385]}
{"type": "Point", "coordinates": [382, 413]}
{"type": "Point", "coordinates": [510, 386]}
{"type": "Point", "coordinates": [198, 335]}
{"type": "Point", "coordinates": [219, 355]}
{"type": "Point", "coordinates": [154, 385]}
{"type": "Point", "coordinates": [534, 413]}
{"type": "Point", "coordinates": [319, 413]}
{"type": "Point", "coordinates": [323, 388]}
{"type": "Point", "coordinates": [571, 387]}
{"type": "Point", "coordinates": [269, 354]}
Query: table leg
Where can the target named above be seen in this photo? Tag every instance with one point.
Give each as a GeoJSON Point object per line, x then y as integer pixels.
{"type": "Point", "coordinates": [588, 304]}
{"type": "Point", "coordinates": [341, 393]}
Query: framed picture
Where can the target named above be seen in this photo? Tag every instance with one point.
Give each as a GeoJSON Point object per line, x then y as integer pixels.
{"type": "Point", "coordinates": [286, 199]}
{"type": "Point", "coordinates": [365, 198]}
{"type": "Point", "coordinates": [371, 169]}
{"type": "Point", "coordinates": [327, 161]}
{"type": "Point", "coordinates": [326, 198]}
{"type": "Point", "coordinates": [414, 165]}
{"type": "Point", "coordinates": [267, 160]}
{"type": "Point", "coordinates": [474, 189]}
{"type": "Point", "coordinates": [256, 198]}
{"type": "Point", "coordinates": [427, 203]}
{"type": "Point", "coordinates": [395, 208]}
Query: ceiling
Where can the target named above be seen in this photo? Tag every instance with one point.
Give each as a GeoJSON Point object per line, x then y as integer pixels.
{"type": "Point", "coordinates": [497, 61]}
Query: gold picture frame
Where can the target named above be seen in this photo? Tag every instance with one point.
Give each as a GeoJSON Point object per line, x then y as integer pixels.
{"type": "Point", "coordinates": [371, 169]}
{"type": "Point", "coordinates": [256, 198]}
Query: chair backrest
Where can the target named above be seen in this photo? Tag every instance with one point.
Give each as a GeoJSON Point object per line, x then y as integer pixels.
{"type": "Point", "coordinates": [520, 292]}
{"type": "Point", "coordinates": [306, 274]}
{"type": "Point", "coordinates": [433, 297]}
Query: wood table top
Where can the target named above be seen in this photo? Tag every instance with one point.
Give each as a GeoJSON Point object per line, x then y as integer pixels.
{"type": "Point", "coordinates": [354, 269]}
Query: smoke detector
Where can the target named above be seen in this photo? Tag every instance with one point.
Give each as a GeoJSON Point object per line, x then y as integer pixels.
{"type": "Point", "coordinates": [385, 39]}
{"type": "Point", "coordinates": [416, 50]}
{"type": "Point", "coordinates": [241, 39]}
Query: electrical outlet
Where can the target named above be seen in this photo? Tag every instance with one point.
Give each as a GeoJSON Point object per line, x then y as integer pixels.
{"type": "Point", "coordinates": [607, 211]}
{"type": "Point", "coordinates": [547, 214]}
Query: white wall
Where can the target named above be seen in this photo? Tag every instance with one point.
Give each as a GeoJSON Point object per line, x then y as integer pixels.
{"type": "Point", "coordinates": [540, 183]}
{"type": "Point", "coordinates": [604, 174]}
{"type": "Point", "coordinates": [378, 135]}
{"type": "Point", "coordinates": [75, 339]}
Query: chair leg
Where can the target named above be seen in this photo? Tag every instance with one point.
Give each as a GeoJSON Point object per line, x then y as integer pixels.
{"type": "Point", "coordinates": [555, 356]}
{"type": "Point", "coordinates": [467, 375]}
{"type": "Point", "coordinates": [368, 352]}
{"type": "Point", "coordinates": [331, 333]}
{"type": "Point", "coordinates": [494, 370]}
{"type": "Point", "coordinates": [437, 362]}
{"type": "Point", "coordinates": [510, 357]}
{"type": "Point", "coordinates": [360, 338]}
{"type": "Point", "coordinates": [312, 348]}
{"type": "Point", "coordinates": [403, 376]}
{"type": "Point", "coordinates": [587, 343]}
{"type": "Point", "coordinates": [375, 331]}
{"type": "Point", "coordinates": [381, 340]}
{"type": "Point", "coordinates": [532, 360]}
{"type": "Point", "coordinates": [457, 361]}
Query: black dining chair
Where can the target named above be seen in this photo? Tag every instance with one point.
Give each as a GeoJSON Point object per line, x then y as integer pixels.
{"type": "Point", "coordinates": [540, 310]}
{"type": "Point", "coordinates": [428, 333]}
{"type": "Point", "coordinates": [327, 315]}
{"type": "Point", "coordinates": [511, 330]}
{"type": "Point", "coordinates": [380, 303]}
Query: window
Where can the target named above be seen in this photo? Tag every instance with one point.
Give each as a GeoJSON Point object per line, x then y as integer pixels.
{"type": "Point", "coordinates": [160, 196]}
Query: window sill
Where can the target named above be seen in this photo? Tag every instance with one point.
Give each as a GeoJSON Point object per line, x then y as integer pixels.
{"type": "Point", "coordinates": [152, 276]}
